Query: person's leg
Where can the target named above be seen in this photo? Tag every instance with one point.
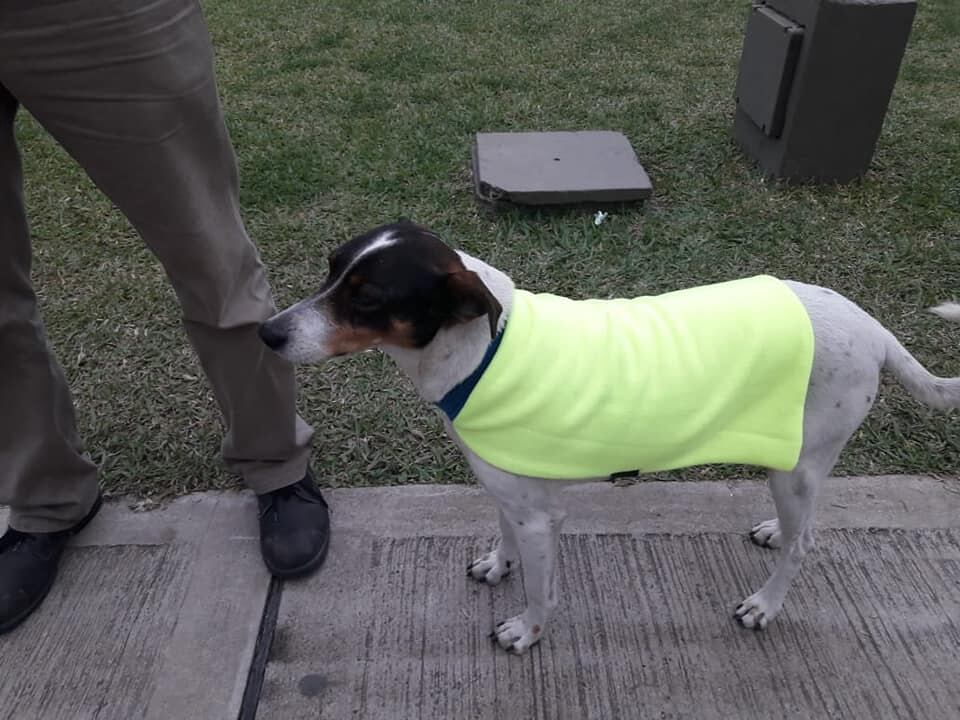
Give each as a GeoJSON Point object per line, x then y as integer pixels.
{"type": "Point", "coordinates": [45, 477]}
{"type": "Point", "coordinates": [132, 97]}
{"type": "Point", "coordinates": [130, 93]}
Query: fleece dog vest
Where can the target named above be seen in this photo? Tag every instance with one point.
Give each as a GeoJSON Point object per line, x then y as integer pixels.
{"type": "Point", "coordinates": [582, 389]}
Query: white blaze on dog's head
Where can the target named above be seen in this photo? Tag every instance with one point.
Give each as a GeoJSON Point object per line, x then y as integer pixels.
{"type": "Point", "coordinates": [396, 285]}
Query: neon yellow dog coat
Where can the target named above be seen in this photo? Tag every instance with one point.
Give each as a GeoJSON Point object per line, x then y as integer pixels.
{"type": "Point", "coordinates": [582, 389]}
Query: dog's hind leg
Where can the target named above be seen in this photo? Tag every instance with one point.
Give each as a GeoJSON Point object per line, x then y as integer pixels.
{"type": "Point", "coordinates": [497, 564]}
{"type": "Point", "coordinates": [794, 494]}
{"type": "Point", "coordinates": [850, 347]}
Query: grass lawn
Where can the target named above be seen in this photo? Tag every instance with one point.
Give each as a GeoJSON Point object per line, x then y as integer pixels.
{"type": "Point", "coordinates": [351, 113]}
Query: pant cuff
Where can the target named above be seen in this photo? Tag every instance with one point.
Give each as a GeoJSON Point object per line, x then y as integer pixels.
{"type": "Point", "coordinates": [263, 478]}
{"type": "Point", "coordinates": [35, 520]}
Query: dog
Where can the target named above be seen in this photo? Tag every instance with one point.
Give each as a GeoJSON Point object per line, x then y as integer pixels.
{"type": "Point", "coordinates": [439, 313]}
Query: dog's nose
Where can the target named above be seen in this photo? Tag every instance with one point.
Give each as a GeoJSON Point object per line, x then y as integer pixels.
{"type": "Point", "coordinates": [273, 335]}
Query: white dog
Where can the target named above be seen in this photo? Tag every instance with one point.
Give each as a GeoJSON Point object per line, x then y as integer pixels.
{"type": "Point", "coordinates": [799, 368]}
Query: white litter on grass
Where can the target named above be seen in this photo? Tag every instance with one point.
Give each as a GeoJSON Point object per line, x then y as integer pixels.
{"type": "Point", "coordinates": [600, 217]}
{"type": "Point", "coordinates": [145, 505]}
{"type": "Point", "coordinates": [948, 311]}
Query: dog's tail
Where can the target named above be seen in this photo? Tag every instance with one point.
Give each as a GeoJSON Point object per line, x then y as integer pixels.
{"type": "Point", "coordinates": [924, 386]}
{"type": "Point", "coordinates": [948, 311]}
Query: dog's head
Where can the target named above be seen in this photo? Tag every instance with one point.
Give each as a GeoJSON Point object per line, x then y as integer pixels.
{"type": "Point", "coordinates": [397, 284]}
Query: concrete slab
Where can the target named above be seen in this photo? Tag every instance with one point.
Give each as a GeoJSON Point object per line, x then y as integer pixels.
{"type": "Point", "coordinates": [649, 577]}
{"type": "Point", "coordinates": [155, 615]}
{"type": "Point", "coordinates": [544, 168]}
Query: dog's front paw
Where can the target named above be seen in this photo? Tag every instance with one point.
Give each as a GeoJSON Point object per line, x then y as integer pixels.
{"type": "Point", "coordinates": [517, 634]}
{"type": "Point", "coordinates": [491, 568]}
{"type": "Point", "coordinates": [766, 534]}
{"type": "Point", "coordinates": [757, 611]}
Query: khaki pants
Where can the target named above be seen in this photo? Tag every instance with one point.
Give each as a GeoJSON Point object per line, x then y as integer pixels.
{"type": "Point", "coordinates": [127, 88]}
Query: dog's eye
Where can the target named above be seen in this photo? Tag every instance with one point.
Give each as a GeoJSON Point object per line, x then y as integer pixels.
{"type": "Point", "coordinates": [367, 298]}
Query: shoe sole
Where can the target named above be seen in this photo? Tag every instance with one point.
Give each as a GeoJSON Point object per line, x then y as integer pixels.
{"type": "Point", "coordinates": [308, 567]}
{"type": "Point", "coordinates": [14, 622]}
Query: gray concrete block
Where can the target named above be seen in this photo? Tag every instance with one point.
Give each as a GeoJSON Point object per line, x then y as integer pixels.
{"type": "Point", "coordinates": [545, 168]}
{"type": "Point", "coordinates": [649, 578]}
{"type": "Point", "coordinates": [830, 96]}
{"type": "Point", "coordinates": [155, 615]}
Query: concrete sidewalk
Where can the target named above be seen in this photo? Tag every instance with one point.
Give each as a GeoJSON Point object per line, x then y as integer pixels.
{"type": "Point", "coordinates": [169, 614]}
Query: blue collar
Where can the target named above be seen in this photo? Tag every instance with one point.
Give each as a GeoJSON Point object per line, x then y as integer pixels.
{"type": "Point", "coordinates": [452, 403]}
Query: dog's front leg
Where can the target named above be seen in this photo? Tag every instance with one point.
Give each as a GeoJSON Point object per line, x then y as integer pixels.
{"type": "Point", "coordinates": [538, 535]}
{"type": "Point", "coordinates": [497, 564]}
{"type": "Point", "coordinates": [532, 516]}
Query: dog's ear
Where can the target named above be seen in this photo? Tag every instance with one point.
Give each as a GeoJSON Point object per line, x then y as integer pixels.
{"type": "Point", "coordinates": [465, 297]}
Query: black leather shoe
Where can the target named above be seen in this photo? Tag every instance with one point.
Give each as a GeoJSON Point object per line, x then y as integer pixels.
{"type": "Point", "coordinates": [28, 567]}
{"type": "Point", "coordinates": [294, 528]}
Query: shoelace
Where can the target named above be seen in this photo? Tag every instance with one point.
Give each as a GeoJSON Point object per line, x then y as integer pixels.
{"type": "Point", "coordinates": [12, 539]}
{"type": "Point", "coordinates": [43, 545]}
{"type": "Point", "coordinates": [286, 493]}
{"type": "Point", "coordinates": [282, 494]}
